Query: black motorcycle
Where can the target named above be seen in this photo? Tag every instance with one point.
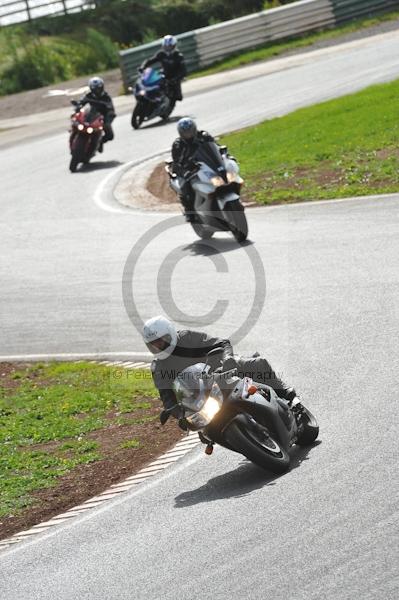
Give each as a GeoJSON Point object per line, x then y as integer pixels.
{"type": "Point", "coordinates": [243, 416]}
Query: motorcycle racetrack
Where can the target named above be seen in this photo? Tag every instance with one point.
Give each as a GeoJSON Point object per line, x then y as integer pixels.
{"type": "Point", "coordinates": [218, 527]}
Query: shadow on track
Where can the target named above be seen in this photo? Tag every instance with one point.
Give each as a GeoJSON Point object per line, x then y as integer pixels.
{"type": "Point", "coordinates": [160, 123]}
{"type": "Point", "coordinates": [213, 246]}
{"type": "Point", "coordinates": [99, 165]}
{"type": "Point", "coordinates": [241, 481]}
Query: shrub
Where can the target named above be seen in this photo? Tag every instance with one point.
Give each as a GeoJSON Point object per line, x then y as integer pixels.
{"type": "Point", "coordinates": [34, 64]}
{"type": "Point", "coordinates": [38, 65]}
{"type": "Point", "coordinates": [104, 49]}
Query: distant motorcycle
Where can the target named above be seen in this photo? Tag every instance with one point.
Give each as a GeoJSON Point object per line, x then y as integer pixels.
{"type": "Point", "coordinates": [87, 130]}
{"type": "Point", "coordinates": [154, 97]}
{"type": "Point", "coordinates": [216, 182]}
{"type": "Point", "coordinates": [243, 416]}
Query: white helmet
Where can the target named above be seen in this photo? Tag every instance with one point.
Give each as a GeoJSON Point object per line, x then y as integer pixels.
{"type": "Point", "coordinates": [169, 43]}
{"type": "Point", "coordinates": [160, 336]}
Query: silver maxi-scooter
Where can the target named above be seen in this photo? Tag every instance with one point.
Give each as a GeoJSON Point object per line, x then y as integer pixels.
{"type": "Point", "coordinates": [216, 183]}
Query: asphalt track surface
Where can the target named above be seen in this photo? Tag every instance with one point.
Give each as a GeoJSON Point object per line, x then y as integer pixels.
{"type": "Point", "coordinates": [218, 527]}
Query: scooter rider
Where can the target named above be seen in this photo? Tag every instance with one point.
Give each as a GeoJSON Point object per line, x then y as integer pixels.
{"type": "Point", "coordinates": [173, 65]}
{"type": "Point", "coordinates": [176, 350]}
{"type": "Point", "coordinates": [183, 150]}
{"type": "Point", "coordinates": [101, 101]}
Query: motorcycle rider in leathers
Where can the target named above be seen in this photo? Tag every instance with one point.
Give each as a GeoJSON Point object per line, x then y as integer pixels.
{"type": "Point", "coordinates": [176, 350]}
{"type": "Point", "coordinates": [102, 102]}
{"type": "Point", "coordinates": [173, 66]}
{"type": "Point", "coordinates": [183, 150]}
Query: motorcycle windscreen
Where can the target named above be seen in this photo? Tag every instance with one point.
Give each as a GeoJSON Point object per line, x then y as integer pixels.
{"type": "Point", "coordinates": [209, 153]}
{"type": "Point", "coordinates": [151, 77]}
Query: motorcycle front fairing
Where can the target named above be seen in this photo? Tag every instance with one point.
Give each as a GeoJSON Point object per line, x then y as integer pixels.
{"type": "Point", "coordinates": [218, 175]}
{"type": "Point", "coordinates": [266, 408]}
{"type": "Point", "coordinates": [88, 122]}
{"type": "Point", "coordinates": [148, 92]}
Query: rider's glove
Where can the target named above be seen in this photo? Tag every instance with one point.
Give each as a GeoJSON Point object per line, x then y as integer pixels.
{"type": "Point", "coordinates": [183, 424]}
{"type": "Point", "coordinates": [140, 70]}
{"type": "Point", "coordinates": [177, 411]}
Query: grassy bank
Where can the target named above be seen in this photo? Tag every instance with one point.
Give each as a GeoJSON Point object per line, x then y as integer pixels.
{"type": "Point", "coordinates": [344, 147]}
{"type": "Point", "coordinates": [58, 418]}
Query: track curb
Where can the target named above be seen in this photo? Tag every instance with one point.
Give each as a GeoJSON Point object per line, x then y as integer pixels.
{"type": "Point", "coordinates": [180, 449]}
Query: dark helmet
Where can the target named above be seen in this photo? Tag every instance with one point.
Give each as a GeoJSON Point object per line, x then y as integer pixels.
{"type": "Point", "coordinates": [96, 85]}
{"type": "Point", "coordinates": [187, 128]}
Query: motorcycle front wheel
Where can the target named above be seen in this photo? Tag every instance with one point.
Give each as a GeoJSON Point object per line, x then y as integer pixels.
{"type": "Point", "coordinates": [78, 153]}
{"type": "Point", "coordinates": [258, 446]}
{"type": "Point", "coordinates": [137, 117]}
{"type": "Point", "coordinates": [236, 220]}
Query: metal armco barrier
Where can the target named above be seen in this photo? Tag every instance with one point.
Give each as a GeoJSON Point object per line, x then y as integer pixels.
{"type": "Point", "coordinates": [208, 45]}
{"type": "Point", "coordinates": [218, 41]}
{"type": "Point", "coordinates": [298, 18]}
{"type": "Point", "coordinates": [345, 10]}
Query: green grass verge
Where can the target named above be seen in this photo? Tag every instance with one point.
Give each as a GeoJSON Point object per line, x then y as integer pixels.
{"type": "Point", "coordinates": [46, 415]}
{"type": "Point", "coordinates": [343, 147]}
{"type": "Point", "coordinates": [276, 48]}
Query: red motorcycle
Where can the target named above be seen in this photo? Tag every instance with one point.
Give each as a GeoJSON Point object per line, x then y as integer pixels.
{"type": "Point", "coordinates": [87, 130]}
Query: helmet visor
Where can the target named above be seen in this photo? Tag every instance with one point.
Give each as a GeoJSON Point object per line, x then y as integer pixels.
{"type": "Point", "coordinates": [160, 344]}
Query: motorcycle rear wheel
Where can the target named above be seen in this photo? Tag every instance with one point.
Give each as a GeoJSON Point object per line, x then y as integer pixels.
{"type": "Point", "coordinates": [262, 450]}
{"type": "Point", "coordinates": [237, 221]}
{"type": "Point", "coordinates": [166, 114]}
{"type": "Point", "coordinates": [310, 429]}
{"type": "Point", "coordinates": [137, 117]}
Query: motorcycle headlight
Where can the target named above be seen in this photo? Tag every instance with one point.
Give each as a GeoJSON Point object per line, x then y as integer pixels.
{"type": "Point", "coordinates": [217, 181]}
{"type": "Point", "coordinates": [81, 127]}
{"type": "Point", "coordinates": [211, 408]}
{"type": "Point", "coordinates": [90, 130]}
{"type": "Point", "coordinates": [203, 417]}
{"type": "Point", "coordinates": [142, 93]}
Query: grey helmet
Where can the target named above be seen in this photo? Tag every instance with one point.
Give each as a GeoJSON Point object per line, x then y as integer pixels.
{"type": "Point", "coordinates": [187, 128]}
{"type": "Point", "coordinates": [169, 43]}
